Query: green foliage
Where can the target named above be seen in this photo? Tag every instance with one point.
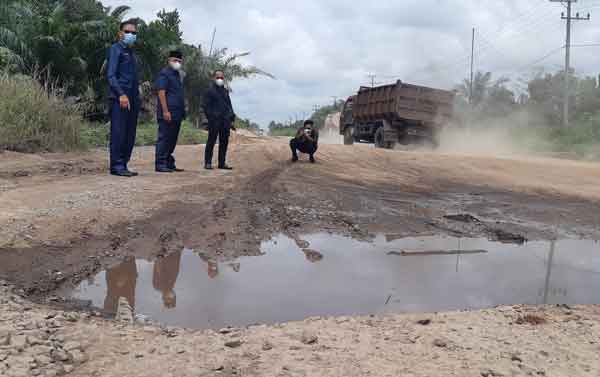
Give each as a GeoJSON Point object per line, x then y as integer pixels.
{"type": "Point", "coordinates": [98, 135]}
{"type": "Point", "coordinates": [199, 68]}
{"type": "Point", "coordinates": [286, 131]}
{"type": "Point", "coordinates": [318, 117]}
{"type": "Point", "coordinates": [69, 40]}
{"type": "Point", "coordinates": [36, 118]}
{"type": "Point", "coordinates": [246, 124]}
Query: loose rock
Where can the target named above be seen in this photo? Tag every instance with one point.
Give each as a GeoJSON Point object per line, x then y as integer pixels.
{"type": "Point", "coordinates": [309, 338]}
{"type": "Point", "coordinates": [233, 344]}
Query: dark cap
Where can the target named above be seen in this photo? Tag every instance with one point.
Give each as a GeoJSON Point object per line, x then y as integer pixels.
{"type": "Point", "coordinates": [176, 54]}
{"type": "Point", "coordinates": [309, 121]}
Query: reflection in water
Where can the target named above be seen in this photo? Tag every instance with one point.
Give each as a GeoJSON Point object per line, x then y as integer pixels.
{"type": "Point", "coordinates": [164, 277]}
{"type": "Point", "coordinates": [350, 278]}
{"type": "Point", "coordinates": [312, 255]}
{"type": "Point", "coordinates": [120, 282]}
{"type": "Point", "coordinates": [213, 269]}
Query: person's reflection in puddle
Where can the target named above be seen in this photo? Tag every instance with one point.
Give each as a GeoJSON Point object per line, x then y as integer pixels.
{"type": "Point", "coordinates": [120, 282]}
{"type": "Point", "coordinates": [312, 255]}
{"type": "Point", "coordinates": [235, 267]}
{"type": "Point", "coordinates": [213, 269]}
{"type": "Point", "coordinates": [164, 278]}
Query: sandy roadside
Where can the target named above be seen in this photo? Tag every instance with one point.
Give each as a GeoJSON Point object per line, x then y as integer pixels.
{"type": "Point", "coordinates": [507, 341]}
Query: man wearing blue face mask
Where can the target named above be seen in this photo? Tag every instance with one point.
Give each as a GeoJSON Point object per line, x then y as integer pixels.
{"type": "Point", "coordinates": [124, 99]}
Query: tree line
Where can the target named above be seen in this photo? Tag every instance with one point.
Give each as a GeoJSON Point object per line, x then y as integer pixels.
{"type": "Point", "coordinates": [542, 96]}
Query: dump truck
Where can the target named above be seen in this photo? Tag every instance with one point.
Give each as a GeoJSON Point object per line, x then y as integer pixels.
{"type": "Point", "coordinates": [396, 113]}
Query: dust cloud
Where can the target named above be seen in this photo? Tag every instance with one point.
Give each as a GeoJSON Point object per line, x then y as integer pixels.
{"type": "Point", "coordinates": [486, 141]}
{"type": "Point", "coordinates": [493, 137]}
{"type": "Point", "coordinates": [330, 133]}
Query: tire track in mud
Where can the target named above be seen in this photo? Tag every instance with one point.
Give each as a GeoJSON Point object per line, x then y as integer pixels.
{"type": "Point", "coordinates": [225, 226]}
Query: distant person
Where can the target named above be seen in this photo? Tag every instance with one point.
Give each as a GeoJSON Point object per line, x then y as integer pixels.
{"type": "Point", "coordinates": [219, 112]}
{"type": "Point", "coordinates": [124, 99]}
{"type": "Point", "coordinates": [306, 141]}
{"type": "Point", "coordinates": [170, 112]}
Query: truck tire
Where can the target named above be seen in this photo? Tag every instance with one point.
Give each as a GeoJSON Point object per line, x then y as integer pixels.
{"type": "Point", "coordinates": [380, 140]}
{"type": "Point", "coordinates": [348, 137]}
{"type": "Point", "coordinates": [379, 143]}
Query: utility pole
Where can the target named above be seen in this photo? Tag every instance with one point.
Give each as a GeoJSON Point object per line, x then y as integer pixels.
{"type": "Point", "coordinates": [548, 272]}
{"type": "Point", "coordinates": [372, 77]}
{"type": "Point", "coordinates": [472, 63]}
{"type": "Point", "coordinates": [568, 18]}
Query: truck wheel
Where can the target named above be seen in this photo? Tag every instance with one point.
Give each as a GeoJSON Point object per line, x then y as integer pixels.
{"type": "Point", "coordinates": [348, 137]}
{"type": "Point", "coordinates": [379, 138]}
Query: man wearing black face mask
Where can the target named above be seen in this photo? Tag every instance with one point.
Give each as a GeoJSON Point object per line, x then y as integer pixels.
{"type": "Point", "coordinates": [218, 110]}
{"type": "Point", "coordinates": [124, 99]}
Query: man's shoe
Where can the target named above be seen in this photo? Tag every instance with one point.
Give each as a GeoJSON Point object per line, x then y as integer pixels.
{"type": "Point", "coordinates": [164, 170]}
{"type": "Point", "coordinates": [208, 167]}
{"type": "Point", "coordinates": [122, 173]}
{"type": "Point", "coordinates": [133, 173]}
{"type": "Point", "coordinates": [225, 167]}
{"type": "Point", "coordinates": [312, 160]}
{"type": "Point", "coordinates": [295, 159]}
{"type": "Point", "coordinates": [177, 170]}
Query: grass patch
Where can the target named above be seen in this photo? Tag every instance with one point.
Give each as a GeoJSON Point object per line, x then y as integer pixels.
{"type": "Point", "coordinates": [34, 118]}
{"type": "Point", "coordinates": [288, 132]}
{"type": "Point", "coordinates": [98, 135]}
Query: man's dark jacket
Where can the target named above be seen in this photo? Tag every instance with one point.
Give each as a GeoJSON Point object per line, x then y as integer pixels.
{"type": "Point", "coordinates": [217, 106]}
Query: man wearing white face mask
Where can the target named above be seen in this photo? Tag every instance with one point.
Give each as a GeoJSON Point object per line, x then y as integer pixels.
{"type": "Point", "coordinates": [218, 110]}
{"type": "Point", "coordinates": [170, 112]}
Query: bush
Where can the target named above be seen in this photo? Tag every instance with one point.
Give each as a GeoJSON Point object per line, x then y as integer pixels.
{"type": "Point", "coordinates": [34, 118]}
{"type": "Point", "coordinates": [581, 139]}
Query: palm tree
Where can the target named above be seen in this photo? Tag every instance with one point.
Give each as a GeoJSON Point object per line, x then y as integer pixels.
{"type": "Point", "coordinates": [15, 49]}
{"type": "Point", "coordinates": [481, 83]}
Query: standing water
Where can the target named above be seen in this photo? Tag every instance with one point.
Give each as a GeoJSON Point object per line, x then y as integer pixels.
{"type": "Point", "coordinates": [342, 276]}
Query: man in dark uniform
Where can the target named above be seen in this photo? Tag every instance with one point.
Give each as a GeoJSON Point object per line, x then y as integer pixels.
{"type": "Point", "coordinates": [121, 281]}
{"type": "Point", "coordinates": [164, 278]}
{"type": "Point", "coordinates": [218, 110]}
{"type": "Point", "coordinates": [306, 141]}
{"type": "Point", "coordinates": [124, 98]}
{"type": "Point", "coordinates": [170, 112]}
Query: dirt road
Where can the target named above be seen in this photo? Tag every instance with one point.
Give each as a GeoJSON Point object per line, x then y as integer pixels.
{"type": "Point", "coordinates": [63, 218]}
{"type": "Point", "coordinates": [63, 214]}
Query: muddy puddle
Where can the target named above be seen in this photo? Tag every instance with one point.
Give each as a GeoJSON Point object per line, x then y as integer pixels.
{"type": "Point", "coordinates": [323, 275]}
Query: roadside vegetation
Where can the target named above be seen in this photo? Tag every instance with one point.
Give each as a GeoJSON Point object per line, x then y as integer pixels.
{"type": "Point", "coordinates": [58, 49]}
{"type": "Point", "coordinates": [36, 117]}
{"type": "Point", "coordinates": [531, 111]}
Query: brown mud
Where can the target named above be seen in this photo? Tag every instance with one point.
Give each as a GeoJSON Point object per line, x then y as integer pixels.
{"type": "Point", "coordinates": [65, 225]}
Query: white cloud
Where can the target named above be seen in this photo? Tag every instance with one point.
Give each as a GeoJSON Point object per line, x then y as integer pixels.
{"type": "Point", "coordinates": [323, 48]}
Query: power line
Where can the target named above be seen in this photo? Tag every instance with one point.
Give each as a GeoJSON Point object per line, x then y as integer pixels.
{"type": "Point", "coordinates": [587, 45]}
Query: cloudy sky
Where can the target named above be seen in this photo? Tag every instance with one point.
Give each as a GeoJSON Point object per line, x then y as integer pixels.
{"type": "Point", "coordinates": [318, 49]}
